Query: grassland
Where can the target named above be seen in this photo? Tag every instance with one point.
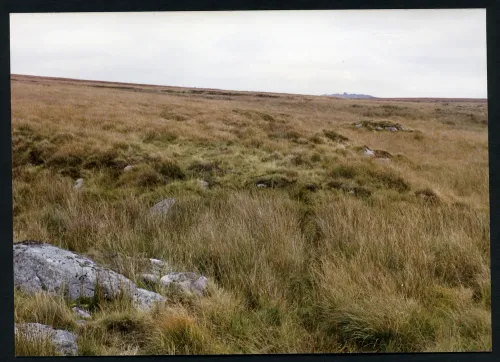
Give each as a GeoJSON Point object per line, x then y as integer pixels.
{"type": "Point", "coordinates": [339, 253]}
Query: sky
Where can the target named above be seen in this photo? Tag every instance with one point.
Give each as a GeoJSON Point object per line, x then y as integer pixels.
{"type": "Point", "coordinates": [383, 53]}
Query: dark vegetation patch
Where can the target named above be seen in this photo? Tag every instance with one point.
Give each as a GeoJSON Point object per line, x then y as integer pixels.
{"type": "Point", "coordinates": [428, 195]}
{"type": "Point", "coordinates": [275, 180]}
{"type": "Point", "coordinates": [350, 188]}
{"type": "Point", "coordinates": [170, 114]}
{"type": "Point", "coordinates": [72, 159]}
{"type": "Point", "coordinates": [388, 111]}
{"type": "Point", "coordinates": [207, 171]}
{"type": "Point", "coordinates": [262, 95]}
{"type": "Point", "coordinates": [159, 135]}
{"type": "Point", "coordinates": [29, 147]}
{"type": "Point", "coordinates": [382, 154]}
{"type": "Point", "coordinates": [141, 176]}
{"type": "Point", "coordinates": [367, 176]}
{"type": "Point", "coordinates": [334, 136]}
{"type": "Point", "coordinates": [220, 93]}
{"type": "Point", "coordinates": [316, 139]}
{"type": "Point", "coordinates": [300, 160]}
{"type": "Point", "coordinates": [255, 115]}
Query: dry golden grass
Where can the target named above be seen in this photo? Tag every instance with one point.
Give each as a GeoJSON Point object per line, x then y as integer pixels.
{"type": "Point", "coordinates": [340, 253]}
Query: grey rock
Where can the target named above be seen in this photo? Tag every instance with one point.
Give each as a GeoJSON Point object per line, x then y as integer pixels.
{"type": "Point", "coordinates": [204, 184]}
{"type": "Point", "coordinates": [187, 281]}
{"type": "Point", "coordinates": [359, 125]}
{"type": "Point", "coordinates": [150, 279]}
{"type": "Point", "coordinates": [145, 299]}
{"type": "Point", "coordinates": [378, 128]}
{"type": "Point", "coordinates": [128, 168]}
{"type": "Point", "coordinates": [392, 129]}
{"type": "Point", "coordinates": [44, 267]}
{"type": "Point", "coordinates": [157, 266]}
{"type": "Point", "coordinates": [81, 312]}
{"type": "Point", "coordinates": [78, 184]}
{"type": "Point", "coordinates": [63, 341]}
{"type": "Point", "coordinates": [81, 323]}
{"type": "Point", "coordinates": [262, 186]}
{"type": "Point", "coordinates": [368, 152]}
{"type": "Point", "coordinates": [162, 207]}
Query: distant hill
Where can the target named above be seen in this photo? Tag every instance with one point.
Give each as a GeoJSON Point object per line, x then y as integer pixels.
{"type": "Point", "coordinates": [347, 95]}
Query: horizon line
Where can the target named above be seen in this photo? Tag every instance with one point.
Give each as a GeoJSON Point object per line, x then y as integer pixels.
{"type": "Point", "coordinates": [331, 95]}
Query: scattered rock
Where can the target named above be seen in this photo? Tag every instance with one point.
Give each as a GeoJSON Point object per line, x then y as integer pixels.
{"type": "Point", "coordinates": [150, 279]}
{"type": "Point", "coordinates": [162, 207]}
{"type": "Point", "coordinates": [44, 267]}
{"type": "Point", "coordinates": [188, 282]}
{"type": "Point", "coordinates": [81, 312]}
{"type": "Point", "coordinates": [380, 126]}
{"type": "Point", "coordinates": [157, 266]}
{"type": "Point", "coordinates": [128, 168]}
{"type": "Point", "coordinates": [78, 184]}
{"type": "Point", "coordinates": [81, 323]}
{"type": "Point", "coordinates": [368, 152]}
{"type": "Point", "coordinates": [63, 341]}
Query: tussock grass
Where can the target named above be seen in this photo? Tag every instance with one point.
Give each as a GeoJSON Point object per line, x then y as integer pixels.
{"type": "Point", "coordinates": [338, 253]}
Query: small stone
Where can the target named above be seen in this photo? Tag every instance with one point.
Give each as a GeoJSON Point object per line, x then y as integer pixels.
{"type": "Point", "coordinates": [379, 128]}
{"type": "Point", "coordinates": [359, 125]}
{"type": "Point", "coordinates": [368, 152]}
{"type": "Point", "coordinates": [204, 184]}
{"type": "Point", "coordinates": [262, 186]}
{"type": "Point", "coordinates": [150, 279]}
{"type": "Point", "coordinates": [188, 282]}
{"type": "Point", "coordinates": [78, 184]}
{"type": "Point", "coordinates": [392, 129]}
{"type": "Point", "coordinates": [81, 312]}
{"type": "Point", "coordinates": [162, 207]}
{"type": "Point", "coordinates": [128, 168]}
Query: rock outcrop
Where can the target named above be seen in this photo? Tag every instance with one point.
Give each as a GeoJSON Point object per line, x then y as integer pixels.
{"type": "Point", "coordinates": [44, 267]}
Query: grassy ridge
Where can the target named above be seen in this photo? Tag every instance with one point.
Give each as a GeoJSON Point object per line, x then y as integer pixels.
{"type": "Point", "coordinates": [340, 252]}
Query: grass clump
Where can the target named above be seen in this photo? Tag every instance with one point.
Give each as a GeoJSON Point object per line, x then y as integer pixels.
{"type": "Point", "coordinates": [334, 136]}
{"type": "Point", "coordinates": [31, 344]}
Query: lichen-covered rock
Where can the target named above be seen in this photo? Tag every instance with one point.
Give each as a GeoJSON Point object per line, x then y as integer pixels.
{"type": "Point", "coordinates": [44, 267]}
{"type": "Point", "coordinates": [162, 207]}
{"type": "Point", "coordinates": [63, 341]}
{"type": "Point", "coordinates": [188, 282]}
